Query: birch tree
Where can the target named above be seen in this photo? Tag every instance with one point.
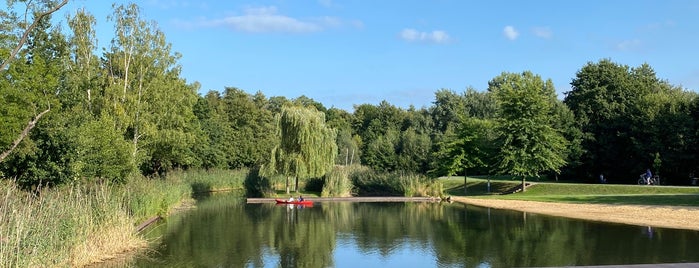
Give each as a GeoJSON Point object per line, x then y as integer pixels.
{"type": "Point", "coordinates": [151, 103]}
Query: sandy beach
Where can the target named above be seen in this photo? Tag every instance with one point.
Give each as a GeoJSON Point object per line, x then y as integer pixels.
{"type": "Point", "coordinates": [677, 217]}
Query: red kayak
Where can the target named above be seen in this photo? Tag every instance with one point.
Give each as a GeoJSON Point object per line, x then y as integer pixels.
{"type": "Point", "coordinates": [295, 202]}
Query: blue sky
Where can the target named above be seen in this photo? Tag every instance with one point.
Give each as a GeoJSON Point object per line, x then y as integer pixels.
{"type": "Point", "coordinates": [346, 52]}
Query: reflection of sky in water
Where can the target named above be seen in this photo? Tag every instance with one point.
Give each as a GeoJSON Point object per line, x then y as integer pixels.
{"type": "Point", "coordinates": [404, 235]}
{"type": "Point", "coordinates": [269, 257]}
{"type": "Point", "coordinates": [402, 254]}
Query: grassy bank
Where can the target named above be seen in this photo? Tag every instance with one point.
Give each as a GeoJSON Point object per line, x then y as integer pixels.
{"type": "Point", "coordinates": [577, 192]}
{"type": "Point", "coordinates": [75, 225]}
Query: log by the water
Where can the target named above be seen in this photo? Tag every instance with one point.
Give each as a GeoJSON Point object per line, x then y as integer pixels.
{"type": "Point", "coordinates": [148, 223]}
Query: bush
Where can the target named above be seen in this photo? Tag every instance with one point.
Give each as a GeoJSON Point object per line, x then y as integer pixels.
{"type": "Point", "coordinates": [256, 185]}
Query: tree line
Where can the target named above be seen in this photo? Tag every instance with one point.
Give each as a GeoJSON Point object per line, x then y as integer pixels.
{"type": "Point", "coordinates": [69, 114]}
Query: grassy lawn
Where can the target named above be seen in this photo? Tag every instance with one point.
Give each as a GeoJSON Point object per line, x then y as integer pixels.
{"type": "Point", "coordinates": [576, 192]}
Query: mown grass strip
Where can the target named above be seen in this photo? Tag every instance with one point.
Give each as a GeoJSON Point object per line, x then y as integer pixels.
{"type": "Point", "coordinates": [577, 192]}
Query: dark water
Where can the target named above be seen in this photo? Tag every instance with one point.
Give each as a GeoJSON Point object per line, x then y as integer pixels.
{"type": "Point", "coordinates": [225, 232]}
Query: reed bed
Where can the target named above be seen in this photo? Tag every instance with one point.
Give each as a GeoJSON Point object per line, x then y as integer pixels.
{"type": "Point", "coordinates": [337, 182]}
{"type": "Point", "coordinates": [83, 223]}
{"type": "Point", "coordinates": [372, 183]}
{"type": "Point", "coordinates": [67, 227]}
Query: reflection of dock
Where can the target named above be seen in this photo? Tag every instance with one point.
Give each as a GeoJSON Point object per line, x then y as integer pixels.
{"type": "Point", "coordinates": [660, 265]}
{"type": "Point", "coordinates": [355, 199]}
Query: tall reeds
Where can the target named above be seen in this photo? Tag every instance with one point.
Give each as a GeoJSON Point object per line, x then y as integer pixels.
{"type": "Point", "coordinates": [83, 223]}
{"type": "Point", "coordinates": [67, 227]}
{"type": "Point", "coordinates": [368, 182]}
{"type": "Point", "coordinates": [337, 182]}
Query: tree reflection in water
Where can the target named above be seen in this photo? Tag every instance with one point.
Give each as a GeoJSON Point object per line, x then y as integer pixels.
{"type": "Point", "coordinates": [223, 231]}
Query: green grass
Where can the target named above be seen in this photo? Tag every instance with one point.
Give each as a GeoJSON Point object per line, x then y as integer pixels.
{"type": "Point", "coordinates": [78, 224]}
{"type": "Point", "coordinates": [577, 192]}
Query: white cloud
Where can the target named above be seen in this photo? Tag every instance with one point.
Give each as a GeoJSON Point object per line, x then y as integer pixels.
{"type": "Point", "coordinates": [510, 32]}
{"type": "Point", "coordinates": [268, 20]}
{"type": "Point", "coordinates": [326, 3]}
{"type": "Point", "coordinates": [437, 36]}
{"type": "Point", "coordinates": [628, 45]}
{"type": "Point", "coordinates": [177, 4]}
{"type": "Point", "coordinates": [543, 32]}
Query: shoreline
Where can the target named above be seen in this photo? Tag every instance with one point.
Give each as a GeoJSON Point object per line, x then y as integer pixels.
{"type": "Point", "coordinates": [352, 199]}
{"type": "Point", "coordinates": [675, 217]}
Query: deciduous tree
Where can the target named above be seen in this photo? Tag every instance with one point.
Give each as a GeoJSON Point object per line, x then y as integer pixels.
{"type": "Point", "coordinates": [529, 143]}
{"type": "Point", "coordinates": [306, 146]}
{"type": "Point", "coordinates": [39, 12]}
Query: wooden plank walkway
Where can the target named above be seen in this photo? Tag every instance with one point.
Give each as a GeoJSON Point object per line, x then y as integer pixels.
{"type": "Point", "coordinates": [354, 199]}
{"type": "Point", "coordinates": [660, 265]}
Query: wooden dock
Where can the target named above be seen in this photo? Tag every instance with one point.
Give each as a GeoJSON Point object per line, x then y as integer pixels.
{"type": "Point", "coordinates": [353, 199]}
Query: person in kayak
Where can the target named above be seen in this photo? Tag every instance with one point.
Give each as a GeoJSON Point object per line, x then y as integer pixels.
{"type": "Point", "coordinates": [301, 198]}
{"type": "Point", "coordinates": [291, 199]}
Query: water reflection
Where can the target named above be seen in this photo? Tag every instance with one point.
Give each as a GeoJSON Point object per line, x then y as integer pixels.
{"type": "Point", "coordinates": [225, 232]}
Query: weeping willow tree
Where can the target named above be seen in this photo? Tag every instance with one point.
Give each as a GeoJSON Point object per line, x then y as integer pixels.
{"type": "Point", "coordinates": [306, 146]}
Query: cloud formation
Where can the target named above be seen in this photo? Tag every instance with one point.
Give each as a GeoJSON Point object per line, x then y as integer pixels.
{"type": "Point", "coordinates": [268, 20]}
{"type": "Point", "coordinates": [510, 32]}
{"type": "Point", "coordinates": [628, 45]}
{"type": "Point", "coordinates": [437, 36]}
{"type": "Point", "coordinates": [543, 32]}
{"type": "Point", "coordinates": [326, 3]}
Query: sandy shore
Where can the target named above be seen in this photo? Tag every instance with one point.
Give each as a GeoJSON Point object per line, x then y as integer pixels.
{"type": "Point", "coordinates": [677, 217]}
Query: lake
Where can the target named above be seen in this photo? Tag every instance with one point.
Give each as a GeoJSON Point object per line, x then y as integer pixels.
{"type": "Point", "coordinates": [224, 231]}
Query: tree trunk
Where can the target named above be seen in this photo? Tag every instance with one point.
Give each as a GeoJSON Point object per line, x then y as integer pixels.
{"type": "Point", "coordinates": [23, 135]}
{"type": "Point", "coordinates": [287, 184]}
{"type": "Point", "coordinates": [465, 181]}
{"type": "Point", "coordinates": [26, 33]}
{"type": "Point", "coordinates": [524, 188]}
{"type": "Point", "coordinates": [296, 187]}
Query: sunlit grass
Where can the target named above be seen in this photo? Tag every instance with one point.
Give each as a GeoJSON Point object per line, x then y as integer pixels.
{"type": "Point", "coordinates": [75, 225]}
{"type": "Point", "coordinates": [578, 192]}
{"type": "Point", "coordinates": [66, 227]}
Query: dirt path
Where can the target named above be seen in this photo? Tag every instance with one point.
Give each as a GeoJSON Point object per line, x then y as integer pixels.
{"type": "Point", "coordinates": [676, 217]}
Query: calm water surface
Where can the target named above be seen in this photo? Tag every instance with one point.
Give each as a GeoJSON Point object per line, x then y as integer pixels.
{"type": "Point", "coordinates": [224, 231]}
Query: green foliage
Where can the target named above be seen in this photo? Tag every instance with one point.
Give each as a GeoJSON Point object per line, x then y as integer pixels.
{"type": "Point", "coordinates": [392, 138]}
{"type": "Point", "coordinates": [470, 147]}
{"type": "Point", "coordinates": [413, 151]}
{"type": "Point", "coordinates": [101, 153]}
{"type": "Point", "coordinates": [306, 147]}
{"type": "Point", "coordinates": [626, 115]}
{"type": "Point", "coordinates": [80, 223]}
{"type": "Point", "coordinates": [529, 143]}
{"type": "Point", "coordinates": [54, 228]}
{"type": "Point", "coordinates": [448, 108]}
{"type": "Point", "coordinates": [128, 110]}
{"type": "Point", "coordinates": [347, 143]}
{"type": "Point", "coordinates": [368, 182]}
{"type": "Point", "coordinates": [256, 185]}
{"type": "Point", "coordinates": [337, 182]}
{"type": "Point", "coordinates": [237, 129]}
{"type": "Point", "coordinates": [380, 153]}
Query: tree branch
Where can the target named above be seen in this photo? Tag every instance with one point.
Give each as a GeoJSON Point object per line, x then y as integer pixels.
{"type": "Point", "coordinates": [24, 134]}
{"type": "Point", "coordinates": [6, 63]}
{"type": "Point", "coordinates": [26, 35]}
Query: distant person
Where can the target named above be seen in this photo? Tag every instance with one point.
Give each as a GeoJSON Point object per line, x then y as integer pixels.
{"type": "Point", "coordinates": [291, 199]}
{"type": "Point", "coordinates": [601, 178]}
{"type": "Point", "coordinates": [648, 176]}
{"type": "Point", "coordinates": [301, 198]}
